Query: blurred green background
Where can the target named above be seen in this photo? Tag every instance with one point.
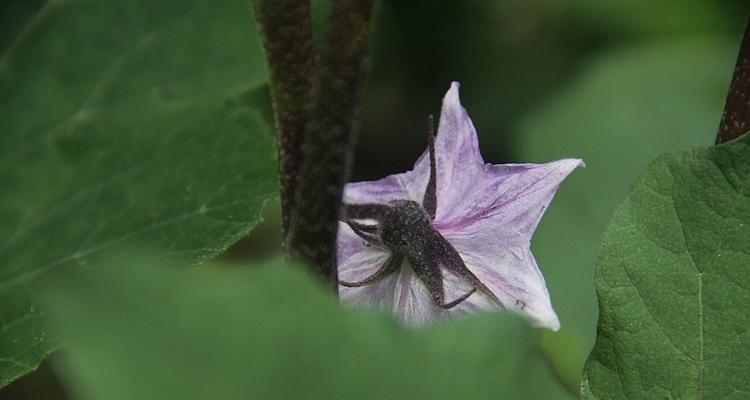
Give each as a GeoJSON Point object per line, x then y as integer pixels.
{"type": "Point", "coordinates": [615, 82]}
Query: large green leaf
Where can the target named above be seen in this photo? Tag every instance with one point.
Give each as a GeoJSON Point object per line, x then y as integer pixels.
{"type": "Point", "coordinates": [273, 333]}
{"type": "Point", "coordinates": [673, 282]}
{"type": "Point", "coordinates": [116, 128]}
{"type": "Point", "coordinates": [628, 107]}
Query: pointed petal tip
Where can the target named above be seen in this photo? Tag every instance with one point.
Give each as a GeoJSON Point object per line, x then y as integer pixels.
{"type": "Point", "coordinates": [567, 165]}
{"type": "Point", "coordinates": [546, 318]}
{"type": "Point", "coordinates": [572, 163]}
{"type": "Point", "coordinates": [452, 95]}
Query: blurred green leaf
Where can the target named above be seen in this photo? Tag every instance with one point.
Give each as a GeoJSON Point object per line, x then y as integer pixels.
{"type": "Point", "coordinates": [672, 282]}
{"type": "Point", "coordinates": [14, 16]}
{"type": "Point", "coordinates": [564, 356]}
{"type": "Point", "coordinates": [116, 128]}
{"type": "Point", "coordinates": [626, 108]}
{"type": "Point", "coordinates": [666, 16]}
{"type": "Point", "coordinates": [273, 333]}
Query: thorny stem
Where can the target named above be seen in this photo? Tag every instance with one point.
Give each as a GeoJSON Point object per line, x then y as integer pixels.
{"type": "Point", "coordinates": [736, 118]}
{"type": "Point", "coordinates": [326, 146]}
{"type": "Point", "coordinates": [286, 28]}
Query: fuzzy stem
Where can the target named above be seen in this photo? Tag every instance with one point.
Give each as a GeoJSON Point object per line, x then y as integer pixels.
{"type": "Point", "coordinates": [736, 118]}
{"type": "Point", "coordinates": [288, 40]}
{"type": "Point", "coordinates": [326, 147]}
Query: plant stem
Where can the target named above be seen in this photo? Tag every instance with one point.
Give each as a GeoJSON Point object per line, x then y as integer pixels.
{"type": "Point", "coordinates": [736, 118]}
{"type": "Point", "coordinates": [326, 146]}
{"type": "Point", "coordinates": [288, 40]}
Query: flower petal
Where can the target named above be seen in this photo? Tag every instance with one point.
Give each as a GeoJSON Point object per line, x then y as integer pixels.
{"type": "Point", "coordinates": [357, 262]}
{"type": "Point", "coordinates": [511, 273]}
{"type": "Point", "coordinates": [488, 212]}
{"type": "Point", "coordinates": [457, 154]}
{"type": "Point", "coordinates": [412, 303]}
{"type": "Point", "coordinates": [408, 185]}
{"type": "Point", "coordinates": [401, 293]}
{"type": "Point", "coordinates": [506, 200]}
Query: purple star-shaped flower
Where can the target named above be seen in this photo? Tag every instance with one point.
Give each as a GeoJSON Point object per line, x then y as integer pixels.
{"type": "Point", "coordinates": [452, 235]}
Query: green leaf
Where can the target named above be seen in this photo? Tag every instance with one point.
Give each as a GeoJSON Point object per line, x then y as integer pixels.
{"type": "Point", "coordinates": [627, 107]}
{"type": "Point", "coordinates": [564, 355]}
{"type": "Point", "coordinates": [272, 333]}
{"type": "Point", "coordinates": [666, 16]}
{"type": "Point", "coordinates": [673, 282]}
{"type": "Point", "coordinates": [14, 16]}
{"type": "Point", "coordinates": [116, 128]}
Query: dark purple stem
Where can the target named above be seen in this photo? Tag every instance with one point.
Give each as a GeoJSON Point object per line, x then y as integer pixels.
{"type": "Point", "coordinates": [326, 147]}
{"type": "Point", "coordinates": [286, 28]}
{"type": "Point", "coordinates": [736, 118]}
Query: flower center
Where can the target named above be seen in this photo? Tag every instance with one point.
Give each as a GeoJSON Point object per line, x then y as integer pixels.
{"type": "Point", "coordinates": [406, 228]}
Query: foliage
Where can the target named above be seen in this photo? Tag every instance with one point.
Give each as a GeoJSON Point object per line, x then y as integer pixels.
{"type": "Point", "coordinates": [672, 280]}
{"type": "Point", "coordinates": [117, 129]}
{"type": "Point", "coordinates": [272, 333]}
{"type": "Point", "coordinates": [132, 122]}
{"type": "Point", "coordinates": [627, 107]}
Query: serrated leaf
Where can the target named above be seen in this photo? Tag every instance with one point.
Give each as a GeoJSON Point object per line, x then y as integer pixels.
{"type": "Point", "coordinates": [273, 333]}
{"type": "Point", "coordinates": [673, 282]}
{"type": "Point", "coordinates": [116, 128]}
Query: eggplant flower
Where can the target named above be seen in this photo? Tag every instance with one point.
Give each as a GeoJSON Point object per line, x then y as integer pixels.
{"type": "Point", "coordinates": [452, 235]}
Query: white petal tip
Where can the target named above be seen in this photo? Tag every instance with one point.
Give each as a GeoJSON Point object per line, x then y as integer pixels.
{"type": "Point", "coordinates": [572, 163]}
{"type": "Point", "coordinates": [544, 319]}
{"type": "Point", "coordinates": [554, 326]}
{"type": "Point", "coordinates": [565, 167]}
{"type": "Point", "coordinates": [451, 96]}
